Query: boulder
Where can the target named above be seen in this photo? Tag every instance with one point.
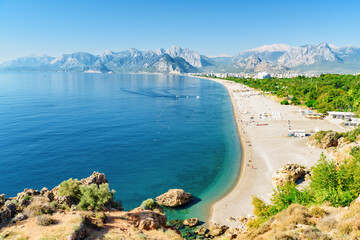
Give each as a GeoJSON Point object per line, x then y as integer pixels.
{"type": "Point", "coordinates": [174, 198]}
{"type": "Point", "coordinates": [232, 233]}
{"type": "Point", "coordinates": [191, 222]}
{"type": "Point", "coordinates": [19, 217]}
{"type": "Point", "coordinates": [201, 231]}
{"type": "Point", "coordinates": [324, 140]}
{"type": "Point", "coordinates": [288, 173]}
{"type": "Point", "coordinates": [217, 229]}
{"type": "Point", "coordinates": [79, 233]}
{"type": "Point", "coordinates": [96, 177]}
{"type": "Point", "coordinates": [27, 193]}
{"type": "Point", "coordinates": [5, 214]}
{"type": "Point", "coordinates": [146, 219]}
{"type": "Point", "coordinates": [11, 206]}
{"type": "Point", "coordinates": [44, 192]}
{"type": "Point", "coordinates": [24, 203]}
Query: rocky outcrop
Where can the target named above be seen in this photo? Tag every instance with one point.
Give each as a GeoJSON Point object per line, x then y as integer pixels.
{"type": "Point", "coordinates": [217, 229]}
{"type": "Point", "coordinates": [324, 140]}
{"type": "Point", "coordinates": [288, 173]}
{"type": "Point", "coordinates": [19, 217]}
{"type": "Point", "coordinates": [2, 200]}
{"type": "Point", "coordinates": [27, 193]}
{"type": "Point", "coordinates": [7, 211]}
{"type": "Point", "coordinates": [201, 231]}
{"type": "Point", "coordinates": [5, 214]}
{"type": "Point", "coordinates": [96, 177]}
{"type": "Point", "coordinates": [79, 233]}
{"type": "Point", "coordinates": [174, 198]}
{"type": "Point", "coordinates": [146, 219]}
{"type": "Point", "coordinates": [191, 222]}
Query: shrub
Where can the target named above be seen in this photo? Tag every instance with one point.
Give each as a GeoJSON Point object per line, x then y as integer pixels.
{"type": "Point", "coordinates": [339, 185]}
{"type": "Point", "coordinates": [261, 209]}
{"type": "Point", "coordinates": [253, 223]}
{"type": "Point", "coordinates": [94, 197]}
{"type": "Point", "coordinates": [70, 188]}
{"type": "Point", "coordinates": [317, 212]}
{"type": "Point", "coordinates": [101, 217]}
{"type": "Point", "coordinates": [285, 102]}
{"type": "Point", "coordinates": [355, 151]}
{"type": "Point", "coordinates": [39, 206]}
{"type": "Point", "coordinates": [149, 204]}
{"type": "Point", "coordinates": [288, 194]}
{"type": "Point", "coordinates": [311, 103]}
{"type": "Point", "coordinates": [44, 220]}
{"type": "Point", "coordinates": [27, 197]}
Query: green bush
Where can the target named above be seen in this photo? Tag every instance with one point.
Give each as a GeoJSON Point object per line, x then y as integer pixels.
{"type": "Point", "coordinates": [288, 194]}
{"type": "Point", "coordinates": [261, 209]}
{"type": "Point", "coordinates": [27, 197]}
{"type": "Point", "coordinates": [311, 103]}
{"type": "Point", "coordinates": [355, 151]}
{"type": "Point", "coordinates": [285, 102]}
{"type": "Point", "coordinates": [70, 188]}
{"type": "Point", "coordinates": [339, 185]}
{"type": "Point", "coordinates": [94, 197]}
{"type": "Point", "coordinates": [148, 204]}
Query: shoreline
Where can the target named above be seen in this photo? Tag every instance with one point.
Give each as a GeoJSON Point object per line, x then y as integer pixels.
{"type": "Point", "coordinates": [242, 139]}
{"type": "Point", "coordinates": [265, 148]}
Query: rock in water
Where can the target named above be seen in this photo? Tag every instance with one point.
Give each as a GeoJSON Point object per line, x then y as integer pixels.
{"type": "Point", "coordinates": [288, 173]}
{"type": "Point", "coordinates": [201, 231]}
{"type": "Point", "coordinates": [96, 177]}
{"type": "Point", "coordinates": [174, 198]}
{"type": "Point", "coordinates": [191, 222]}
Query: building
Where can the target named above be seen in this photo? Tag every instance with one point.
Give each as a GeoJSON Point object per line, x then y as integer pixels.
{"type": "Point", "coordinates": [352, 122]}
{"type": "Point", "coordinates": [263, 75]}
{"type": "Point", "coordinates": [341, 115]}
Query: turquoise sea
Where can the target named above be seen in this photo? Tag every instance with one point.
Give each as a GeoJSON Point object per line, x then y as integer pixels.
{"type": "Point", "coordinates": [147, 133]}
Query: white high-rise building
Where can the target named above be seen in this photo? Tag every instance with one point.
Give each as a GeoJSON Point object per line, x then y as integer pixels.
{"type": "Point", "coordinates": [263, 75]}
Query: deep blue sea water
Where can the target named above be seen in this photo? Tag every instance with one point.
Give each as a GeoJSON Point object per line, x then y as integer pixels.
{"type": "Point", "coordinates": [147, 133]}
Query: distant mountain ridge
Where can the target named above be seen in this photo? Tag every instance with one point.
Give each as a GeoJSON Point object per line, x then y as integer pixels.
{"type": "Point", "coordinates": [275, 58]}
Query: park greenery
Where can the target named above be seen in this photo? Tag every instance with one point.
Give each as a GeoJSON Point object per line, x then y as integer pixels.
{"type": "Point", "coordinates": [328, 92]}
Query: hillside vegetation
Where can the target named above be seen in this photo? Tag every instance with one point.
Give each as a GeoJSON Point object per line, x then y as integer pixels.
{"type": "Point", "coordinates": [328, 208]}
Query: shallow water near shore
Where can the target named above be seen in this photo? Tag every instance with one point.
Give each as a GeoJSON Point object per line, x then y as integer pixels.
{"type": "Point", "coordinates": [147, 133]}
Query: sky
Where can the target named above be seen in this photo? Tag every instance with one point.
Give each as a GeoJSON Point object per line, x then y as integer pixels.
{"type": "Point", "coordinates": [213, 28]}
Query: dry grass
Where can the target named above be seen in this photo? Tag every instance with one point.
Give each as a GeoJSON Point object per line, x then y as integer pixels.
{"type": "Point", "coordinates": [44, 220]}
{"type": "Point", "coordinates": [327, 224]}
{"type": "Point", "coordinates": [65, 224]}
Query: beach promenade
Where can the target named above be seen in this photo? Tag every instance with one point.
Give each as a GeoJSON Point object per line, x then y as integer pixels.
{"type": "Point", "coordinates": [263, 125]}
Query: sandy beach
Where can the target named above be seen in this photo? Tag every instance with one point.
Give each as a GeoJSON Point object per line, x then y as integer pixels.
{"type": "Point", "coordinates": [266, 147]}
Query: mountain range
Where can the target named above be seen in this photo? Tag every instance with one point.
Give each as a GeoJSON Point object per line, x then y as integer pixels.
{"type": "Point", "coordinates": [275, 58]}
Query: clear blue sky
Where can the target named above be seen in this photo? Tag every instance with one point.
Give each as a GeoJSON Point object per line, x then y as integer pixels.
{"type": "Point", "coordinates": [218, 27]}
